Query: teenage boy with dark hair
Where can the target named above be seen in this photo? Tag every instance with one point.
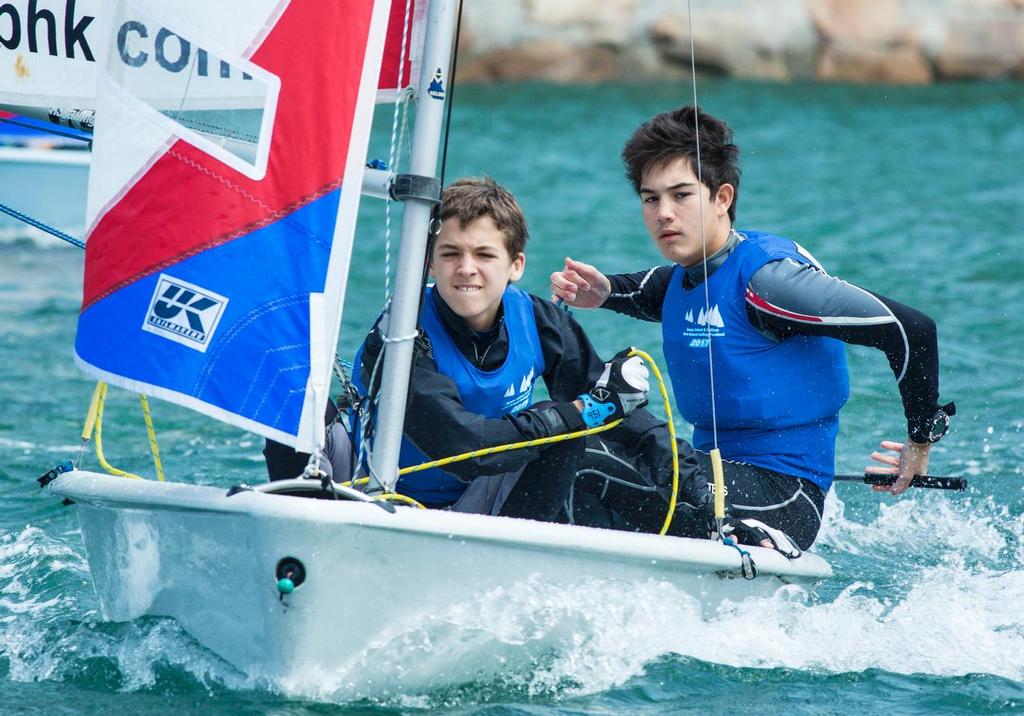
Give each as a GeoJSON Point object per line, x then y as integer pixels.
{"type": "Point", "coordinates": [771, 324]}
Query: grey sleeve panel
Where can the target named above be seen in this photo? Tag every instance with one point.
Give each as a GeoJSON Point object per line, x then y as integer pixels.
{"type": "Point", "coordinates": [805, 293]}
{"type": "Point", "coordinates": [789, 297]}
{"type": "Point", "coordinates": [786, 298]}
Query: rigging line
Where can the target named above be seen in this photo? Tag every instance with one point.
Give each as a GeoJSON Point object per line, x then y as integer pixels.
{"type": "Point", "coordinates": [400, 99]}
{"type": "Point", "coordinates": [44, 128]}
{"type": "Point", "coordinates": [41, 226]}
{"type": "Point", "coordinates": [703, 238]}
{"type": "Point", "coordinates": [451, 94]}
{"type": "Point", "coordinates": [188, 84]}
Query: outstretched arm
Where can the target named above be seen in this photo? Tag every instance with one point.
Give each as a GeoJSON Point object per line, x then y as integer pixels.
{"type": "Point", "coordinates": [639, 294]}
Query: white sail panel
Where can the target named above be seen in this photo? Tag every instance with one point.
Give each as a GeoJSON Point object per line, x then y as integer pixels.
{"type": "Point", "coordinates": [51, 49]}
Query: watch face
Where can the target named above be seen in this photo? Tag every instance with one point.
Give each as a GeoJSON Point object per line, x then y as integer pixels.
{"type": "Point", "coordinates": [940, 424]}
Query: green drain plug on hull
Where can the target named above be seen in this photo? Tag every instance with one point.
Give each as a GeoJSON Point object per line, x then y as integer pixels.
{"type": "Point", "coordinates": [290, 574]}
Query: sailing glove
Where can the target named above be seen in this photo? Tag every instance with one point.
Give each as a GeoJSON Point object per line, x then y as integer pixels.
{"type": "Point", "coordinates": [620, 390]}
{"type": "Point", "coordinates": [754, 532]}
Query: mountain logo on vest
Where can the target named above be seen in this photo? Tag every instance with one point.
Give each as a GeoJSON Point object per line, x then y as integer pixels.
{"type": "Point", "coordinates": [707, 325]}
{"type": "Point", "coordinates": [184, 313]}
{"type": "Point", "coordinates": [517, 399]}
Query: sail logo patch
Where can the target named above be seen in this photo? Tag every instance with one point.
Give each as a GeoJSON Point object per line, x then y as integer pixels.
{"type": "Point", "coordinates": [184, 313]}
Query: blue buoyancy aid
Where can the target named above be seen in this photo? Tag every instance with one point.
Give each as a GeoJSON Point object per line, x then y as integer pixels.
{"type": "Point", "coordinates": [777, 402]}
{"type": "Point", "coordinates": [503, 391]}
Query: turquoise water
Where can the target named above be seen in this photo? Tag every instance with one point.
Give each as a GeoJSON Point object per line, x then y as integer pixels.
{"type": "Point", "coordinates": [914, 192]}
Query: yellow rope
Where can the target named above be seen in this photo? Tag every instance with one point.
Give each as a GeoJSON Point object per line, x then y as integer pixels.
{"type": "Point", "coordinates": [151, 434]}
{"type": "Point", "coordinates": [99, 437]}
{"type": "Point", "coordinates": [716, 468]}
{"type": "Point", "coordinates": [396, 497]}
{"type": "Point", "coordinates": [510, 446]}
{"type": "Point", "coordinates": [90, 418]}
{"type": "Point", "coordinates": [672, 437]}
{"type": "Point", "coordinates": [94, 424]}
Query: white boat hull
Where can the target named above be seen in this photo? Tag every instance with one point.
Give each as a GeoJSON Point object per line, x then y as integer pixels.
{"type": "Point", "coordinates": [209, 561]}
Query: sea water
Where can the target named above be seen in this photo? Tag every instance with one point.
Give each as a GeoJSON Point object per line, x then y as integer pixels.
{"type": "Point", "coordinates": [916, 193]}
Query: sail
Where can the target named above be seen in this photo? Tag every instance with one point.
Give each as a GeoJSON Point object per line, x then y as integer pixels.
{"type": "Point", "coordinates": [49, 52]}
{"type": "Point", "coordinates": [220, 236]}
{"type": "Point", "coordinates": [414, 13]}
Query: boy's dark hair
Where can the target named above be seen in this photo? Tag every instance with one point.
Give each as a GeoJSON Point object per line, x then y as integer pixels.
{"type": "Point", "coordinates": [473, 197]}
{"type": "Point", "coordinates": [670, 135]}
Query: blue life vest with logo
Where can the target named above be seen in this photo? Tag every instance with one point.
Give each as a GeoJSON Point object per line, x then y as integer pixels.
{"type": "Point", "coordinates": [491, 394]}
{"type": "Point", "coordinates": [777, 403]}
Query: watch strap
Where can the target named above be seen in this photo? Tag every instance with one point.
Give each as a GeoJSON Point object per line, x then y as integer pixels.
{"type": "Point", "coordinates": [594, 413]}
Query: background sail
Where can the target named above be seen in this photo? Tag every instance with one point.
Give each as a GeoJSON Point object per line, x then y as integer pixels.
{"type": "Point", "coordinates": [51, 51]}
{"type": "Point", "coordinates": [220, 238]}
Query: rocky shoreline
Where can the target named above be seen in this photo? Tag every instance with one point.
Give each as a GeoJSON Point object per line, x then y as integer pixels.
{"type": "Point", "coordinates": [890, 41]}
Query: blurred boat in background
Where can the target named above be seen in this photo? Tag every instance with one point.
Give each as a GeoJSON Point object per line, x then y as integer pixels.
{"type": "Point", "coordinates": [44, 172]}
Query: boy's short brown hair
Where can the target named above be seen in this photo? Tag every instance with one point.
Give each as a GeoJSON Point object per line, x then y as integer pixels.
{"type": "Point", "coordinates": [473, 197]}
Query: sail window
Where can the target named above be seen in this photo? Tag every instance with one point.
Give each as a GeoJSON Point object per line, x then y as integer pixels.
{"type": "Point", "coordinates": [221, 104]}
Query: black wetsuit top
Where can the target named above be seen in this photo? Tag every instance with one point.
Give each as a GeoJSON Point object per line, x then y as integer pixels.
{"type": "Point", "coordinates": [438, 422]}
{"type": "Point", "coordinates": [780, 292]}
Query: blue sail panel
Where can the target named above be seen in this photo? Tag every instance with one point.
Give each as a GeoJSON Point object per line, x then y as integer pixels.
{"type": "Point", "coordinates": [226, 331]}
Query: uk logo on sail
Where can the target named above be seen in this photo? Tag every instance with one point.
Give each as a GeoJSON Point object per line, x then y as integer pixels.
{"type": "Point", "coordinates": [184, 313]}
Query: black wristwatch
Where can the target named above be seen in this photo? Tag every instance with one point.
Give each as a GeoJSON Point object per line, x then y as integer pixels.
{"type": "Point", "coordinates": [937, 425]}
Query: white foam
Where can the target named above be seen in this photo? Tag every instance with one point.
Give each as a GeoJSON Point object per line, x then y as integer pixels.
{"type": "Point", "coordinates": [946, 603]}
{"type": "Point", "coordinates": [48, 626]}
{"type": "Point", "coordinates": [541, 641]}
{"type": "Point", "coordinates": [924, 527]}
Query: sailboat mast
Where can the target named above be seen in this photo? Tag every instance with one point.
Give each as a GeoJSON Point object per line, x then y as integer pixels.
{"type": "Point", "coordinates": [430, 100]}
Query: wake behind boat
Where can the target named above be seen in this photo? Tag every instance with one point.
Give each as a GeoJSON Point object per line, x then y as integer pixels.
{"type": "Point", "coordinates": [215, 276]}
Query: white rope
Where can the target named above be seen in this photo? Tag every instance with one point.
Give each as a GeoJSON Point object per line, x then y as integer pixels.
{"type": "Point", "coordinates": [401, 99]}
{"type": "Point", "coordinates": [400, 339]}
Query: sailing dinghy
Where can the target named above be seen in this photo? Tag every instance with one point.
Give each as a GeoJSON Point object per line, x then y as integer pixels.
{"type": "Point", "coordinates": [218, 249]}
